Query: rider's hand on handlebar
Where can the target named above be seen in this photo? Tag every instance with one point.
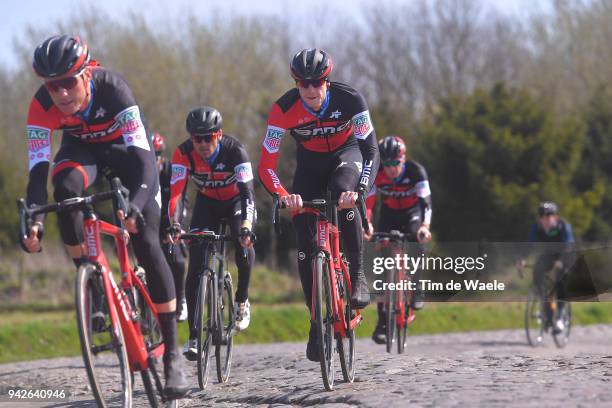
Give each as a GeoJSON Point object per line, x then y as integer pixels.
{"type": "Point", "coordinates": [368, 232]}
{"type": "Point", "coordinates": [423, 234]}
{"type": "Point", "coordinates": [347, 200]}
{"type": "Point", "coordinates": [245, 235]}
{"type": "Point", "coordinates": [292, 201]}
{"type": "Point", "coordinates": [520, 266]}
{"type": "Point", "coordinates": [130, 222]}
{"type": "Point", "coordinates": [32, 243]}
{"type": "Point", "coordinates": [173, 233]}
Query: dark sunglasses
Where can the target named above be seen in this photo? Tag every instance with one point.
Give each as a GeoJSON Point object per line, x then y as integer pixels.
{"type": "Point", "coordinates": [305, 83]}
{"type": "Point", "coordinates": [64, 83]}
{"type": "Point", "coordinates": [207, 137]}
{"type": "Point", "coordinates": [391, 163]}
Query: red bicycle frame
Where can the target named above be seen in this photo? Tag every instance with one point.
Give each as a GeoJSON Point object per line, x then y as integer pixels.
{"type": "Point", "coordinates": [328, 241]}
{"type": "Point", "coordinates": [120, 309]}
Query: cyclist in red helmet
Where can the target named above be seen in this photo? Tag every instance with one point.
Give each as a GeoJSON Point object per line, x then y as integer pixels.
{"type": "Point", "coordinates": [102, 128]}
{"type": "Point", "coordinates": [406, 207]}
{"type": "Point", "coordinates": [179, 252]}
{"type": "Point", "coordinates": [336, 151]}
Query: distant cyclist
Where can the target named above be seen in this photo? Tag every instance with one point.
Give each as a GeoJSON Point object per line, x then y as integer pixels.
{"type": "Point", "coordinates": [102, 128]}
{"type": "Point", "coordinates": [336, 150]}
{"type": "Point", "coordinates": [406, 207]}
{"type": "Point", "coordinates": [220, 168]}
{"type": "Point", "coordinates": [550, 228]}
{"type": "Point", "coordinates": [177, 259]}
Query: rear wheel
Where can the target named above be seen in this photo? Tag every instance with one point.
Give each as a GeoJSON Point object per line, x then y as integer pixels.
{"type": "Point", "coordinates": [225, 323]}
{"type": "Point", "coordinates": [324, 320]}
{"type": "Point", "coordinates": [103, 347]}
{"type": "Point", "coordinates": [346, 345]}
{"type": "Point", "coordinates": [204, 325]}
{"type": "Point", "coordinates": [535, 319]}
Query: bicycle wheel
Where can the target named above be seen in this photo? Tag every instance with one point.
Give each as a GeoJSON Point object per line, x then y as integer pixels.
{"type": "Point", "coordinates": [562, 338]}
{"type": "Point", "coordinates": [225, 325]}
{"type": "Point", "coordinates": [391, 311]}
{"type": "Point", "coordinates": [324, 320]}
{"type": "Point", "coordinates": [204, 327]}
{"type": "Point", "coordinates": [104, 351]}
{"type": "Point", "coordinates": [346, 345]}
{"type": "Point", "coordinates": [534, 318]}
{"type": "Point", "coordinates": [402, 329]}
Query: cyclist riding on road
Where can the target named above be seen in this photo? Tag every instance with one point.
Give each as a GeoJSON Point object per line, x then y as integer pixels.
{"type": "Point", "coordinates": [406, 207]}
{"type": "Point", "coordinates": [219, 167]}
{"type": "Point", "coordinates": [177, 259]}
{"type": "Point", "coordinates": [336, 151]}
{"type": "Point", "coordinates": [550, 228]}
{"type": "Point", "coordinates": [102, 129]}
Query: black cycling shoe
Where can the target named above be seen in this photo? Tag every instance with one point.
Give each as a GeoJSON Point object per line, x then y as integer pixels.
{"type": "Point", "coordinates": [176, 384]}
{"type": "Point", "coordinates": [312, 348]}
{"type": "Point", "coordinates": [360, 297]}
{"type": "Point", "coordinates": [380, 333]}
{"type": "Point", "coordinates": [417, 302]}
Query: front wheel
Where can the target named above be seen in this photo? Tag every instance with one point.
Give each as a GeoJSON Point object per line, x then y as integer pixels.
{"type": "Point", "coordinates": [535, 319]}
{"type": "Point", "coordinates": [346, 345]}
{"type": "Point", "coordinates": [204, 327]}
{"type": "Point", "coordinates": [324, 320]}
{"type": "Point", "coordinates": [225, 327]}
{"type": "Point", "coordinates": [391, 297]}
{"type": "Point", "coordinates": [562, 338]}
{"type": "Point", "coordinates": [102, 343]}
{"type": "Point", "coordinates": [402, 325]}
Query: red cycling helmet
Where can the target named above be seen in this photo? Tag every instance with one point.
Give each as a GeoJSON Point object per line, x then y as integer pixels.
{"type": "Point", "coordinates": [159, 143]}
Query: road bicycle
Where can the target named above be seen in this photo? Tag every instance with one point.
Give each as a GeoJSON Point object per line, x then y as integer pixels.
{"type": "Point", "coordinates": [542, 311]}
{"type": "Point", "coordinates": [118, 325]}
{"type": "Point", "coordinates": [331, 290]}
{"type": "Point", "coordinates": [215, 306]}
{"type": "Point", "coordinates": [397, 306]}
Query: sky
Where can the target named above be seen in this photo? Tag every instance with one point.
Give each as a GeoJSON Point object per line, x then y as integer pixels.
{"type": "Point", "coordinates": [44, 14]}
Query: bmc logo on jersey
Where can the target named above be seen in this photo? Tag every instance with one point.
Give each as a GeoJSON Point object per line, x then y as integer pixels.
{"type": "Point", "coordinates": [310, 132]}
{"type": "Point", "coordinates": [273, 139]}
{"type": "Point", "coordinates": [38, 138]}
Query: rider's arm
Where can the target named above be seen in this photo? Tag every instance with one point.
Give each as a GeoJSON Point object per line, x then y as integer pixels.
{"type": "Point", "coordinates": [178, 182]}
{"type": "Point", "coordinates": [40, 125]}
{"type": "Point", "coordinates": [244, 181]}
{"type": "Point", "coordinates": [371, 199]}
{"type": "Point", "coordinates": [423, 192]}
{"type": "Point", "coordinates": [568, 255]}
{"type": "Point", "coordinates": [141, 181]}
{"type": "Point", "coordinates": [269, 153]}
{"type": "Point", "coordinates": [363, 130]}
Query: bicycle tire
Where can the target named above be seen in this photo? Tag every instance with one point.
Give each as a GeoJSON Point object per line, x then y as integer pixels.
{"type": "Point", "coordinates": [534, 318]}
{"type": "Point", "coordinates": [89, 280]}
{"type": "Point", "coordinates": [561, 339]}
{"type": "Point", "coordinates": [391, 312]}
{"type": "Point", "coordinates": [225, 320]}
{"type": "Point", "coordinates": [402, 329]}
{"type": "Point", "coordinates": [324, 321]}
{"type": "Point", "coordinates": [204, 327]}
{"type": "Point", "coordinates": [346, 345]}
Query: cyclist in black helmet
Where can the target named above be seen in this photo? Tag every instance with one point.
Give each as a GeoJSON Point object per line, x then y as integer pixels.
{"type": "Point", "coordinates": [101, 127]}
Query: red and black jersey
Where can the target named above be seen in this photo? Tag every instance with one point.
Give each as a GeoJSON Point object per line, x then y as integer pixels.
{"type": "Point", "coordinates": [112, 113]}
{"type": "Point", "coordinates": [409, 189]}
{"type": "Point", "coordinates": [343, 119]}
{"type": "Point", "coordinates": [227, 174]}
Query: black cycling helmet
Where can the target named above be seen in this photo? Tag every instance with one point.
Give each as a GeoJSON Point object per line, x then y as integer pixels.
{"type": "Point", "coordinates": [203, 120]}
{"type": "Point", "coordinates": [547, 208]}
{"type": "Point", "coordinates": [60, 55]}
{"type": "Point", "coordinates": [311, 63]}
{"type": "Point", "coordinates": [391, 147]}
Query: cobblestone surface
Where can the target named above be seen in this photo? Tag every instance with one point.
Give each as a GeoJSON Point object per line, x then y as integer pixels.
{"type": "Point", "coordinates": [487, 369]}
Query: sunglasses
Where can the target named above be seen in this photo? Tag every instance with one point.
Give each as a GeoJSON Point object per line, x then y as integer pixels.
{"type": "Point", "coordinates": [64, 83]}
{"type": "Point", "coordinates": [391, 163]}
{"type": "Point", "coordinates": [315, 83]}
{"type": "Point", "coordinates": [207, 137]}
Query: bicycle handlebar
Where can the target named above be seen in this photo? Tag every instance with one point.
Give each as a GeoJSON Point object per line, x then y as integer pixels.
{"type": "Point", "coordinates": [393, 236]}
{"type": "Point", "coordinates": [208, 236]}
{"type": "Point", "coordinates": [26, 213]}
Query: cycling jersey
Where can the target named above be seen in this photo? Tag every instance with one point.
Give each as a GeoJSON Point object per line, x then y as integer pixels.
{"type": "Point", "coordinates": [225, 175]}
{"type": "Point", "coordinates": [112, 117]}
{"type": "Point", "coordinates": [343, 121]}
{"type": "Point", "coordinates": [562, 232]}
{"type": "Point", "coordinates": [409, 189]}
